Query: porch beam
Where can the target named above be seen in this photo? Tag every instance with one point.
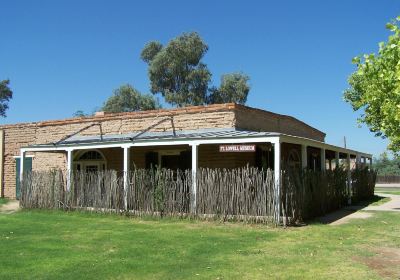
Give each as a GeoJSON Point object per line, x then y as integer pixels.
{"type": "Point", "coordinates": [126, 174]}
{"type": "Point", "coordinates": [195, 166]}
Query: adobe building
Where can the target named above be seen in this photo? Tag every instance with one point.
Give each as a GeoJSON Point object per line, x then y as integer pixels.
{"type": "Point", "coordinates": [214, 136]}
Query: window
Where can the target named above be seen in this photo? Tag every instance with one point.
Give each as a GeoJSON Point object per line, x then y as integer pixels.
{"type": "Point", "coordinates": [91, 155]}
{"type": "Point", "coordinates": [90, 161]}
{"type": "Point", "coordinates": [294, 160]}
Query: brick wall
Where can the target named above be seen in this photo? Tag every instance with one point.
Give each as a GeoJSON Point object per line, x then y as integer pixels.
{"type": "Point", "coordinates": [15, 138]}
{"type": "Point", "coordinates": [259, 120]}
{"type": "Point", "coordinates": [189, 118]}
{"type": "Point", "coordinates": [22, 135]}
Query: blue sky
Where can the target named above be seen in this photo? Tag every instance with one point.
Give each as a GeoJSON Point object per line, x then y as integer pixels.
{"type": "Point", "coordinates": [62, 56]}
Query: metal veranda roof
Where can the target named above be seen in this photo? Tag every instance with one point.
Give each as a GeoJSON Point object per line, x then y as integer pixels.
{"type": "Point", "coordinates": [214, 133]}
{"type": "Point", "coordinates": [230, 134]}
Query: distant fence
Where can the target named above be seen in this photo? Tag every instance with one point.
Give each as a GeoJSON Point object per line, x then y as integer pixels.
{"type": "Point", "coordinates": [388, 179]}
{"type": "Point", "coordinates": [247, 194]}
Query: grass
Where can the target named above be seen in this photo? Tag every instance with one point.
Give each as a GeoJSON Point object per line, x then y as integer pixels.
{"type": "Point", "coordinates": [393, 190]}
{"type": "Point", "coordinates": [53, 244]}
{"type": "Point", "coordinates": [3, 201]}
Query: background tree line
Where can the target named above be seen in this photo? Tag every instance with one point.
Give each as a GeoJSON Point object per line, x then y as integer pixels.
{"type": "Point", "coordinates": [387, 166]}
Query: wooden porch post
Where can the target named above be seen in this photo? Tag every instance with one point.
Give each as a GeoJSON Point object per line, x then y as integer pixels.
{"type": "Point", "coordinates": [358, 161]}
{"type": "Point", "coordinates": [336, 159]}
{"type": "Point", "coordinates": [195, 163]}
{"type": "Point", "coordinates": [69, 168]}
{"type": "Point", "coordinates": [348, 177]}
{"type": "Point", "coordinates": [126, 175]}
{"type": "Point", "coordinates": [323, 160]}
{"type": "Point", "coordinates": [304, 156]}
{"type": "Point", "coordinates": [278, 183]}
{"type": "Point", "coordinates": [21, 167]}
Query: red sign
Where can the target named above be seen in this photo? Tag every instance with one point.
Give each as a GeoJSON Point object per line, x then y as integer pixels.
{"type": "Point", "coordinates": [237, 148]}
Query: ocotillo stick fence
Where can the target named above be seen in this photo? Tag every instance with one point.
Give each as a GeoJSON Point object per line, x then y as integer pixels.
{"type": "Point", "coordinates": [247, 194]}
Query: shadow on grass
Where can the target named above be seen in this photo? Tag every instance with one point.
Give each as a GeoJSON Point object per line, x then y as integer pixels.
{"type": "Point", "coordinates": [348, 210]}
{"type": "Point", "coordinates": [375, 200]}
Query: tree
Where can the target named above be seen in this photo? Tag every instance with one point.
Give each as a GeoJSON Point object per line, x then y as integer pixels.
{"type": "Point", "coordinates": [5, 95]}
{"type": "Point", "coordinates": [127, 99]}
{"type": "Point", "coordinates": [386, 166]}
{"type": "Point", "coordinates": [234, 88]}
{"type": "Point", "coordinates": [375, 88]}
{"type": "Point", "coordinates": [176, 70]}
{"type": "Point", "coordinates": [79, 114]}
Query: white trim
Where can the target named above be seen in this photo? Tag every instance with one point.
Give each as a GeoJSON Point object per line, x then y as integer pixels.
{"type": "Point", "coordinates": [271, 139]}
{"type": "Point", "coordinates": [26, 156]}
{"type": "Point", "coordinates": [236, 140]}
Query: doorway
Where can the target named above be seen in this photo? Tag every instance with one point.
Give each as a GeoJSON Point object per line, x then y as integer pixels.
{"type": "Point", "coordinates": [27, 168]}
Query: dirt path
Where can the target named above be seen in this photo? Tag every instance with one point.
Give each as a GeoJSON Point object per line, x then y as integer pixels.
{"type": "Point", "coordinates": [10, 207]}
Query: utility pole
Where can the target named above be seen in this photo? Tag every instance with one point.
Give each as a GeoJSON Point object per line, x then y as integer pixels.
{"type": "Point", "coordinates": [344, 141]}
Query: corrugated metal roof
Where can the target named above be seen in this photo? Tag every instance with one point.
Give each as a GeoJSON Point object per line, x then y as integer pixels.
{"type": "Point", "coordinates": [167, 135]}
{"type": "Point", "coordinates": [215, 133]}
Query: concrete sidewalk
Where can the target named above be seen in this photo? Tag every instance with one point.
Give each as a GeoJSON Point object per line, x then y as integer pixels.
{"type": "Point", "coordinates": [392, 205]}
{"type": "Point", "coordinates": [344, 215]}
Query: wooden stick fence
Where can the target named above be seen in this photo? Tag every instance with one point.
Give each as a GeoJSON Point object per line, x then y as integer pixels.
{"type": "Point", "coordinates": [388, 179]}
{"type": "Point", "coordinates": [246, 194]}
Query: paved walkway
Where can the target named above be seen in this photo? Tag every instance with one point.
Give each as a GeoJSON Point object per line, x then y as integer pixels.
{"type": "Point", "coordinates": [392, 205]}
{"type": "Point", "coordinates": [346, 214]}
{"type": "Point", "coordinates": [10, 207]}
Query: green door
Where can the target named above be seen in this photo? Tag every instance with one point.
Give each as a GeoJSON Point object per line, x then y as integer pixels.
{"type": "Point", "coordinates": [27, 168]}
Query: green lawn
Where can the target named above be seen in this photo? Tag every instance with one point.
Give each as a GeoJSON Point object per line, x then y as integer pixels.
{"type": "Point", "coordinates": [3, 201]}
{"type": "Point", "coordinates": [51, 245]}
